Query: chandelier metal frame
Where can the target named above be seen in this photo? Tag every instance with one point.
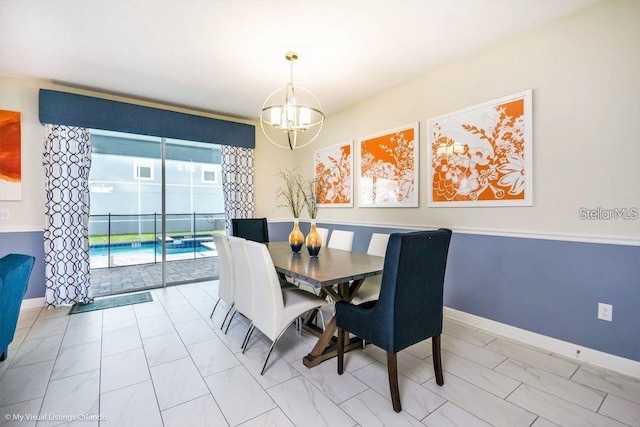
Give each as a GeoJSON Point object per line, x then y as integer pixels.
{"type": "Point", "coordinates": [291, 117]}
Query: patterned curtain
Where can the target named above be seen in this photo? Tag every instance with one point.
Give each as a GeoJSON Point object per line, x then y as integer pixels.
{"type": "Point", "coordinates": [237, 183]}
{"type": "Point", "coordinates": [67, 160]}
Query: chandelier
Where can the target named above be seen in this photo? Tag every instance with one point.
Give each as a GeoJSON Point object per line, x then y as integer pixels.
{"type": "Point", "coordinates": [291, 117]}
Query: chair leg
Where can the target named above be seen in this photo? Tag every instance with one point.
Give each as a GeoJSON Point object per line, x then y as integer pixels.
{"type": "Point", "coordinates": [227, 315]}
{"type": "Point", "coordinates": [214, 308]}
{"type": "Point", "coordinates": [340, 351]}
{"type": "Point", "coordinates": [3, 356]}
{"type": "Point", "coordinates": [313, 314]}
{"type": "Point", "coordinates": [230, 320]}
{"type": "Point", "coordinates": [437, 359]}
{"type": "Point", "coordinates": [267, 359]}
{"type": "Point", "coordinates": [321, 318]}
{"type": "Point", "coordinates": [392, 368]}
{"type": "Point", "coordinates": [271, 349]}
{"type": "Point", "coordinates": [245, 343]}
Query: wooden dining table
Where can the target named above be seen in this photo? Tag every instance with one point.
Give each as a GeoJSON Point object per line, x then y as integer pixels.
{"type": "Point", "coordinates": [338, 274]}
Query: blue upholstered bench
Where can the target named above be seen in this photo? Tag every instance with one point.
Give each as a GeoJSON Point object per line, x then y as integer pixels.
{"type": "Point", "coordinates": [15, 270]}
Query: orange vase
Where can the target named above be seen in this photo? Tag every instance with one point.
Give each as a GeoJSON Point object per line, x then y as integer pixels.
{"type": "Point", "coordinates": [296, 238]}
{"type": "Point", "coordinates": [313, 241]}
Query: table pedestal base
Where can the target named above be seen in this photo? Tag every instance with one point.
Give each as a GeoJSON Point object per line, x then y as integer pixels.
{"type": "Point", "coordinates": [327, 345]}
{"type": "Point", "coordinates": [332, 351]}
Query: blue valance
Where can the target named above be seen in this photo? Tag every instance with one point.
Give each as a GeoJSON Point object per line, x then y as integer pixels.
{"type": "Point", "coordinates": [95, 113]}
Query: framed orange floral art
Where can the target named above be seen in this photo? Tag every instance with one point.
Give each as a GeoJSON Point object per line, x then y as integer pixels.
{"type": "Point", "coordinates": [388, 168]}
{"type": "Point", "coordinates": [333, 172]}
{"type": "Point", "coordinates": [482, 155]}
{"type": "Point", "coordinates": [10, 156]}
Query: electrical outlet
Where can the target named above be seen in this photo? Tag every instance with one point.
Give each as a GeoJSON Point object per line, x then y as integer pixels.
{"type": "Point", "coordinates": [5, 214]}
{"type": "Point", "coordinates": [605, 312]}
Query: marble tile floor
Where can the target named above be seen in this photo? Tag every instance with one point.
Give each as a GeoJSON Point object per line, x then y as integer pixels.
{"type": "Point", "coordinates": [165, 363]}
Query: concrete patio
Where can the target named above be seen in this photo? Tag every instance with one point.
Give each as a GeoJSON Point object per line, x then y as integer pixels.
{"type": "Point", "coordinates": [107, 281]}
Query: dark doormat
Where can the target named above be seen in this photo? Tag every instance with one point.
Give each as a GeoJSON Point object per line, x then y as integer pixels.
{"type": "Point", "coordinates": [111, 302]}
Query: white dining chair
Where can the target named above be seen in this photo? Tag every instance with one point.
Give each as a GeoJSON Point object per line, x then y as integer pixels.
{"type": "Point", "coordinates": [324, 234]}
{"type": "Point", "coordinates": [341, 239]}
{"type": "Point", "coordinates": [244, 279]}
{"type": "Point", "coordinates": [274, 310]}
{"type": "Point", "coordinates": [378, 244]}
{"type": "Point", "coordinates": [226, 282]}
{"type": "Point", "coordinates": [369, 290]}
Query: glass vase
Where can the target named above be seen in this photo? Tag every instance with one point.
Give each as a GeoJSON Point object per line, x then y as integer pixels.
{"type": "Point", "coordinates": [313, 241]}
{"type": "Point", "coordinates": [296, 238]}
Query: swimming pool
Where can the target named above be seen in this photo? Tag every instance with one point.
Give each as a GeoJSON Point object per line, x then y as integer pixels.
{"type": "Point", "coordinates": [148, 248]}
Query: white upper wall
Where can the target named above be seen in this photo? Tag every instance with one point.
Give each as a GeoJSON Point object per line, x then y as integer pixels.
{"type": "Point", "coordinates": [28, 213]}
{"type": "Point", "coordinates": [585, 74]}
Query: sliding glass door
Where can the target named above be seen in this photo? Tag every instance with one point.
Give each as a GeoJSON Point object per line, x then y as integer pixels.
{"type": "Point", "coordinates": [154, 205]}
{"type": "Point", "coordinates": [194, 208]}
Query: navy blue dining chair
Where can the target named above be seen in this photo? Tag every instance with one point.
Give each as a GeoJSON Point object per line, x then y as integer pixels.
{"type": "Point", "coordinates": [409, 308]}
{"type": "Point", "coordinates": [254, 229]}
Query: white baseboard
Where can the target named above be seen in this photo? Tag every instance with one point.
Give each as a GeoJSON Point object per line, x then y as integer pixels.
{"type": "Point", "coordinates": [564, 348]}
{"type": "Point", "coordinates": [32, 303]}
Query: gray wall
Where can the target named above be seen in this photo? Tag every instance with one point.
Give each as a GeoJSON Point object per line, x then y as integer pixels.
{"type": "Point", "coordinates": [27, 243]}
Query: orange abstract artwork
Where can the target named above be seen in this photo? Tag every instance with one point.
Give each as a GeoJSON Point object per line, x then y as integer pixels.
{"type": "Point", "coordinates": [481, 156]}
{"type": "Point", "coordinates": [333, 174]}
{"type": "Point", "coordinates": [10, 160]}
{"type": "Point", "coordinates": [388, 175]}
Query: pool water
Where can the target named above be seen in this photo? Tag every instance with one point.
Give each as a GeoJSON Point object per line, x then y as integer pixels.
{"type": "Point", "coordinates": [146, 248]}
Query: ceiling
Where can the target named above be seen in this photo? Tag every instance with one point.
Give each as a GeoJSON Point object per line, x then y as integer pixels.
{"type": "Point", "coordinates": [227, 56]}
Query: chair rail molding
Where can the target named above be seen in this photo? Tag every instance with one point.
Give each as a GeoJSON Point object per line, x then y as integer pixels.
{"type": "Point", "coordinates": [21, 230]}
{"type": "Point", "coordinates": [580, 238]}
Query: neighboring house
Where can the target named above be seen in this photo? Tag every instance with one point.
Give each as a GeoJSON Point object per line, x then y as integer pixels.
{"type": "Point", "coordinates": [125, 179]}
